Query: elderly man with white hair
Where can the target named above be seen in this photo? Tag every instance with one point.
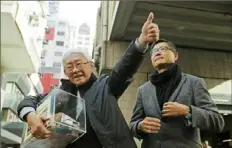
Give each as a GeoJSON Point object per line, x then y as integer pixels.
{"type": "Point", "coordinates": [106, 126]}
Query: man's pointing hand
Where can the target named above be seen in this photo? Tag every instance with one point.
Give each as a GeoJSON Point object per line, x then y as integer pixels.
{"type": "Point", "coordinates": [149, 32]}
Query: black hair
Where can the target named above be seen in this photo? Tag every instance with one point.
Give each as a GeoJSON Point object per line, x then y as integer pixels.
{"type": "Point", "coordinates": [166, 41]}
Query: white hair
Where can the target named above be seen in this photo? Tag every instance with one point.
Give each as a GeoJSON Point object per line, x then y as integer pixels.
{"type": "Point", "coordinates": [76, 51]}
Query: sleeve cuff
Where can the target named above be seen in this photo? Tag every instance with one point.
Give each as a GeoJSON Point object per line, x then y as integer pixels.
{"type": "Point", "coordinates": [141, 48]}
{"type": "Point", "coordinates": [25, 111]}
{"type": "Point", "coordinates": [139, 133]}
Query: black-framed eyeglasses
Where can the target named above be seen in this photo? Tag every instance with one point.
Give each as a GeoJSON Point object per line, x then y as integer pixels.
{"type": "Point", "coordinates": [156, 50]}
{"type": "Point", "coordinates": [78, 65]}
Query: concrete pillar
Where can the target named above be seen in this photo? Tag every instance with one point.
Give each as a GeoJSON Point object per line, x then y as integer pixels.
{"type": "Point", "coordinates": [128, 99]}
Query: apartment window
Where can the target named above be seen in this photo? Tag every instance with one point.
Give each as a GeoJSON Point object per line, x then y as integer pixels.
{"type": "Point", "coordinates": [79, 43]}
{"type": "Point", "coordinates": [84, 31]}
{"type": "Point", "coordinates": [79, 48]}
{"type": "Point", "coordinates": [87, 43]}
{"type": "Point", "coordinates": [51, 23]}
{"type": "Point", "coordinates": [87, 38]}
{"type": "Point", "coordinates": [40, 75]}
{"type": "Point", "coordinates": [45, 42]}
{"type": "Point", "coordinates": [42, 64]}
{"type": "Point", "coordinates": [53, 87]}
{"type": "Point", "coordinates": [59, 43]}
{"type": "Point", "coordinates": [85, 48]}
{"type": "Point", "coordinates": [61, 23]}
{"type": "Point", "coordinates": [56, 75]}
{"type": "Point", "coordinates": [56, 64]}
{"type": "Point", "coordinates": [60, 33]}
{"type": "Point", "coordinates": [43, 54]}
{"type": "Point", "coordinates": [47, 30]}
{"type": "Point", "coordinates": [58, 54]}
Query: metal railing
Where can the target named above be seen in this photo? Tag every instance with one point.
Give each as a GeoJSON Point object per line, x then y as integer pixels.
{"type": "Point", "coordinates": [220, 98]}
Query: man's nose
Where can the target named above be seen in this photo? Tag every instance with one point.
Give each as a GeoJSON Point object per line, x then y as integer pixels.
{"type": "Point", "coordinates": [75, 69]}
{"type": "Point", "coordinates": [158, 52]}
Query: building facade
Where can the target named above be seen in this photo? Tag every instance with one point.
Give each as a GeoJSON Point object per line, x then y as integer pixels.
{"type": "Point", "coordinates": [81, 38]}
{"type": "Point", "coordinates": [56, 42]}
{"type": "Point", "coordinates": [22, 29]}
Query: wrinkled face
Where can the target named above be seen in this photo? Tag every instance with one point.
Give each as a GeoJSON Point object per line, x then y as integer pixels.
{"type": "Point", "coordinates": [162, 53]}
{"type": "Point", "coordinates": [78, 69]}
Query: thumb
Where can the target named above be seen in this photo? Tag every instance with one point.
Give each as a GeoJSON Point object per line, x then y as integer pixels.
{"type": "Point", "coordinates": [150, 17]}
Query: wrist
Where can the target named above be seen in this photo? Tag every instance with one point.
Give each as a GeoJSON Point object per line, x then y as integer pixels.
{"type": "Point", "coordinates": [141, 40]}
{"type": "Point", "coordinates": [186, 111]}
{"type": "Point", "coordinates": [139, 126]}
{"type": "Point", "coordinates": [28, 115]}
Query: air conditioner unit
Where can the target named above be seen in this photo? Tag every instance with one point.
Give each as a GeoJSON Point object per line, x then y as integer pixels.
{"type": "Point", "coordinates": [45, 41]}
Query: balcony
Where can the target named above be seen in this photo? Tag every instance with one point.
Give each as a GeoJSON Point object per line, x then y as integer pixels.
{"type": "Point", "coordinates": [11, 101]}
{"type": "Point", "coordinates": [12, 132]}
{"type": "Point", "coordinates": [21, 79]}
{"type": "Point", "coordinates": [9, 138]}
{"type": "Point", "coordinates": [37, 85]}
{"type": "Point", "coordinates": [12, 128]}
{"type": "Point", "coordinates": [2, 95]}
{"type": "Point", "coordinates": [22, 29]}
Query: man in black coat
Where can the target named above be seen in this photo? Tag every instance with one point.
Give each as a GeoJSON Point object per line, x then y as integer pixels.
{"type": "Point", "coordinates": [106, 126]}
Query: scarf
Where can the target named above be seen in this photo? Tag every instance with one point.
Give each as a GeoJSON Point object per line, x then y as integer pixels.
{"type": "Point", "coordinates": [166, 82]}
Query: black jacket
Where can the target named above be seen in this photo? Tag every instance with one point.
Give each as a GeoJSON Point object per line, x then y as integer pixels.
{"type": "Point", "coordinates": [101, 101]}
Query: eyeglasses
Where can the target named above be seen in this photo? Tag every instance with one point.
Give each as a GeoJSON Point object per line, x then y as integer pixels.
{"type": "Point", "coordinates": [78, 65]}
{"type": "Point", "coordinates": [156, 50]}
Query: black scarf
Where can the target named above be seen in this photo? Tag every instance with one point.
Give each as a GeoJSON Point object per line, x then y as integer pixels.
{"type": "Point", "coordinates": [166, 82]}
{"type": "Point", "coordinates": [72, 88]}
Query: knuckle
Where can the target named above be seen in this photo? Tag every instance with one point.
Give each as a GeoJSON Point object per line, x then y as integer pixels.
{"type": "Point", "coordinates": [155, 25]}
{"type": "Point", "coordinates": [36, 128]}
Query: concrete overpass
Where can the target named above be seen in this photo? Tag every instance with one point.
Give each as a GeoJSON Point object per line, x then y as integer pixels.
{"type": "Point", "coordinates": [193, 24]}
{"type": "Point", "coordinates": [202, 32]}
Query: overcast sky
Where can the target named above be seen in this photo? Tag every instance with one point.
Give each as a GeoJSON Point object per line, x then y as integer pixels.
{"type": "Point", "coordinates": [78, 12]}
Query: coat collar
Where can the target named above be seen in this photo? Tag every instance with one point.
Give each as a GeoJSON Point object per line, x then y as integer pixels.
{"type": "Point", "coordinates": [68, 86]}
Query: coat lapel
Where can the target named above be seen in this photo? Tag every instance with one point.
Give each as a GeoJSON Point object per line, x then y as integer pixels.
{"type": "Point", "coordinates": [176, 92]}
{"type": "Point", "coordinates": [153, 97]}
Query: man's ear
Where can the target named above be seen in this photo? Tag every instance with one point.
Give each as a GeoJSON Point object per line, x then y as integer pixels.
{"type": "Point", "coordinates": [92, 64]}
{"type": "Point", "coordinates": [176, 56]}
{"type": "Point", "coordinates": [65, 73]}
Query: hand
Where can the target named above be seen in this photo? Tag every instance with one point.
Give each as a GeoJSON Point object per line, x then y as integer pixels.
{"type": "Point", "coordinates": [174, 109]}
{"type": "Point", "coordinates": [36, 123]}
{"type": "Point", "coordinates": [150, 31]}
{"type": "Point", "coordinates": [149, 125]}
